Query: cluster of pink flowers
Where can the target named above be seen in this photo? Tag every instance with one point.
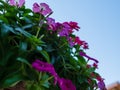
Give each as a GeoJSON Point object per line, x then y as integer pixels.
{"type": "Point", "coordinates": [66, 29]}
{"type": "Point", "coordinates": [64, 84]}
{"type": "Point", "coordinates": [18, 3]}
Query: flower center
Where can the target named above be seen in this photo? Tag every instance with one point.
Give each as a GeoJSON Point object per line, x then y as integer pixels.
{"type": "Point", "coordinates": [42, 8]}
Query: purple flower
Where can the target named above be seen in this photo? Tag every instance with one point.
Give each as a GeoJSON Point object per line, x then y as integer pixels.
{"type": "Point", "coordinates": [18, 3]}
{"type": "Point", "coordinates": [63, 29]}
{"type": "Point", "coordinates": [45, 67]}
{"type": "Point", "coordinates": [89, 58]}
{"type": "Point", "coordinates": [51, 23]}
{"type": "Point", "coordinates": [41, 8]}
{"type": "Point", "coordinates": [101, 85]}
{"type": "Point", "coordinates": [70, 40]}
{"type": "Point", "coordinates": [66, 84]}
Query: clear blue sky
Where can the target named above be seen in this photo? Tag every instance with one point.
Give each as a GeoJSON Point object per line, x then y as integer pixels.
{"type": "Point", "coordinates": [100, 27]}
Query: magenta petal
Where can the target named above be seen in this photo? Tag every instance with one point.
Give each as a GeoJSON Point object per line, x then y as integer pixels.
{"type": "Point", "coordinates": [101, 85]}
{"type": "Point", "coordinates": [89, 58]}
{"type": "Point", "coordinates": [45, 9]}
{"type": "Point", "coordinates": [36, 8]}
{"type": "Point", "coordinates": [45, 67]}
{"type": "Point", "coordinates": [66, 84]}
{"type": "Point", "coordinates": [12, 2]}
{"type": "Point", "coordinates": [44, 5]}
{"type": "Point", "coordinates": [21, 2]}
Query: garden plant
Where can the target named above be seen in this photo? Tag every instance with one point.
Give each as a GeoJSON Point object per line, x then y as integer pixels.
{"type": "Point", "coordinates": [42, 53]}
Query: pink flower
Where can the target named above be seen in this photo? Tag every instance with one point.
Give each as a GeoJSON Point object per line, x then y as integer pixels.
{"type": "Point", "coordinates": [51, 23]}
{"type": "Point", "coordinates": [81, 43]}
{"type": "Point", "coordinates": [64, 29]}
{"type": "Point", "coordinates": [95, 65]}
{"type": "Point", "coordinates": [45, 67]}
{"type": "Point", "coordinates": [43, 8]}
{"type": "Point", "coordinates": [71, 42]}
{"type": "Point", "coordinates": [18, 3]}
{"type": "Point", "coordinates": [78, 41]}
{"type": "Point", "coordinates": [66, 84]}
{"type": "Point", "coordinates": [74, 25]}
{"type": "Point", "coordinates": [89, 58]}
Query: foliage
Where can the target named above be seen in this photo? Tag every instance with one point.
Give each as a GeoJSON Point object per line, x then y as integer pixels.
{"type": "Point", "coordinates": [47, 55]}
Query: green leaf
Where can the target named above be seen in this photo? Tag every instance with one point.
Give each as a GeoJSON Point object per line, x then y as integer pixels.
{"type": "Point", "coordinates": [23, 46]}
{"type": "Point", "coordinates": [27, 26]}
{"type": "Point", "coordinates": [89, 71]}
{"type": "Point", "coordinates": [46, 84]}
{"type": "Point", "coordinates": [46, 56]}
{"type": "Point", "coordinates": [22, 31]}
{"type": "Point", "coordinates": [23, 61]}
{"type": "Point", "coordinates": [6, 58]}
{"type": "Point", "coordinates": [3, 19]}
{"type": "Point", "coordinates": [11, 79]}
{"type": "Point", "coordinates": [34, 86]}
{"type": "Point", "coordinates": [27, 20]}
{"type": "Point", "coordinates": [35, 41]}
{"type": "Point", "coordinates": [39, 48]}
{"type": "Point", "coordinates": [5, 28]}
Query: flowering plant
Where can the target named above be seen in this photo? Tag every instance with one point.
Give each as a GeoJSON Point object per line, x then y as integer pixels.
{"type": "Point", "coordinates": [43, 53]}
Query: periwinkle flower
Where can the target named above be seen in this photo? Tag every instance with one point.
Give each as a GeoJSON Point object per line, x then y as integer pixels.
{"type": "Point", "coordinates": [66, 84]}
{"type": "Point", "coordinates": [18, 3]}
{"type": "Point", "coordinates": [51, 23]}
{"type": "Point", "coordinates": [45, 67]}
{"type": "Point", "coordinates": [41, 8]}
{"type": "Point", "coordinates": [101, 84]}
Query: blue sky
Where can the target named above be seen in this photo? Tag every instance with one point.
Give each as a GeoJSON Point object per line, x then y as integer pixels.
{"type": "Point", "coordinates": [100, 27]}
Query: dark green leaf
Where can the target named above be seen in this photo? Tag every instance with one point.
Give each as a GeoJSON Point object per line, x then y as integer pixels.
{"type": "Point", "coordinates": [46, 56]}
{"type": "Point", "coordinates": [22, 31]}
{"type": "Point", "coordinates": [3, 19]}
{"type": "Point", "coordinates": [5, 28]}
{"type": "Point", "coordinates": [23, 46]}
{"type": "Point", "coordinates": [11, 79]}
{"type": "Point", "coordinates": [23, 61]}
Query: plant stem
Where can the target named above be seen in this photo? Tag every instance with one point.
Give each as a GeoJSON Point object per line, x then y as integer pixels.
{"type": "Point", "coordinates": [37, 34]}
{"type": "Point", "coordinates": [40, 75]}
